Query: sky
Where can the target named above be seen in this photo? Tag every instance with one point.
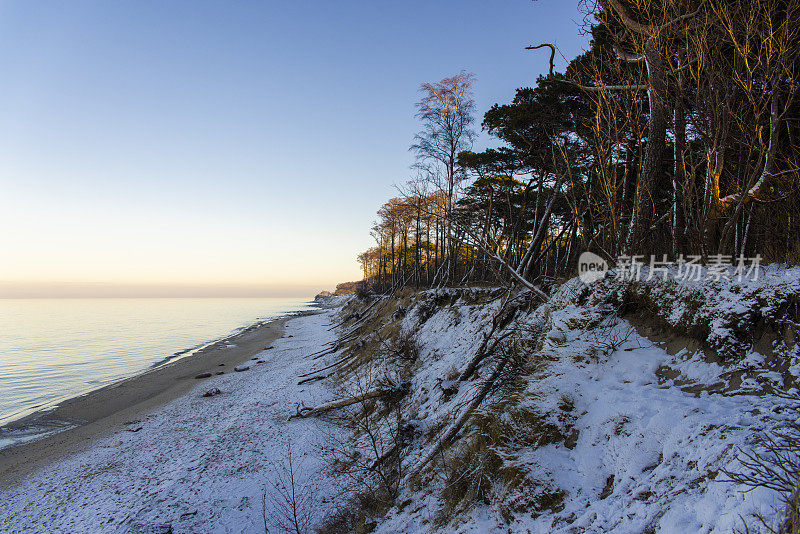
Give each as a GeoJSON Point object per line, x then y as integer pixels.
{"type": "Point", "coordinates": [228, 148]}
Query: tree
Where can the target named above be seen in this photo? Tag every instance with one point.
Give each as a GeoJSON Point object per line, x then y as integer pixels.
{"type": "Point", "coordinates": [674, 133]}
{"type": "Point", "coordinates": [446, 111]}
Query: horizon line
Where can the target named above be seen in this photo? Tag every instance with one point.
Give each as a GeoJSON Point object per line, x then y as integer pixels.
{"type": "Point", "coordinates": [64, 290]}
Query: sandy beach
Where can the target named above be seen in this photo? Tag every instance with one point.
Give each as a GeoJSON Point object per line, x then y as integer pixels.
{"type": "Point", "coordinates": [177, 461]}
{"type": "Point", "coordinates": [106, 409]}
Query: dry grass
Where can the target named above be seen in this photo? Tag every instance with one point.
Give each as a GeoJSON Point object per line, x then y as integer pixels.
{"type": "Point", "coordinates": [384, 345]}
{"type": "Point", "coordinates": [480, 467]}
{"type": "Point", "coordinates": [355, 517]}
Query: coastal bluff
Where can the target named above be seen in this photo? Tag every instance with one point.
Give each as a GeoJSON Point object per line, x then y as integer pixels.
{"type": "Point", "coordinates": [344, 288]}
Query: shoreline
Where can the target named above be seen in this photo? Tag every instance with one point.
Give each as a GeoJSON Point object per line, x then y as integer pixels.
{"type": "Point", "coordinates": [13, 420]}
{"type": "Point", "coordinates": [196, 463]}
{"type": "Point", "coordinates": [100, 411]}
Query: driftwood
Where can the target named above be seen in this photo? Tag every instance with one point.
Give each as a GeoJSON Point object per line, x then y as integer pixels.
{"type": "Point", "coordinates": [353, 333]}
{"type": "Point", "coordinates": [390, 391]}
{"type": "Point", "coordinates": [337, 344]}
{"type": "Point", "coordinates": [341, 340]}
{"type": "Point", "coordinates": [334, 364]}
{"type": "Point", "coordinates": [339, 325]}
{"type": "Point", "coordinates": [327, 346]}
{"type": "Point", "coordinates": [324, 352]}
{"type": "Point", "coordinates": [332, 346]}
{"type": "Point", "coordinates": [307, 411]}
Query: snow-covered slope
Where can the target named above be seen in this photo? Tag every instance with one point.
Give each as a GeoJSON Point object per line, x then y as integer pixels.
{"type": "Point", "coordinates": [602, 423]}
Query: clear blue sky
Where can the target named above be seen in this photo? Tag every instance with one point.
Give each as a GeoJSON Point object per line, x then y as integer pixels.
{"type": "Point", "coordinates": [228, 143]}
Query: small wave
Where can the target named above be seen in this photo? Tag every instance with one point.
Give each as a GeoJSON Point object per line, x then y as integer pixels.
{"type": "Point", "coordinates": [10, 437]}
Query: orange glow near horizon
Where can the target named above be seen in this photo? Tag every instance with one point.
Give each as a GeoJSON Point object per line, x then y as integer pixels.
{"type": "Point", "coordinates": [25, 290]}
{"type": "Point", "coordinates": [112, 250]}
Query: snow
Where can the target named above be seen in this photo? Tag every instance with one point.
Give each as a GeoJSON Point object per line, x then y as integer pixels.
{"type": "Point", "coordinates": [654, 430]}
{"type": "Point", "coordinates": [198, 464]}
{"type": "Point", "coordinates": [659, 445]}
{"type": "Point", "coordinates": [722, 307]}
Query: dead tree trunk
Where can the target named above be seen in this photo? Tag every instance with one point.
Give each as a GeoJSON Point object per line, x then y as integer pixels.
{"type": "Point", "coordinates": [306, 411]}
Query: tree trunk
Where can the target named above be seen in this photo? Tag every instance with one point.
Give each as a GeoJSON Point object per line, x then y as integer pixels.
{"type": "Point", "coordinates": [654, 149]}
{"type": "Point", "coordinates": [678, 175]}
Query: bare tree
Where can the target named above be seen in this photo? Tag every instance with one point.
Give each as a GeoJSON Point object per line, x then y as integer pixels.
{"type": "Point", "coordinates": [288, 500]}
{"type": "Point", "coordinates": [773, 462]}
{"type": "Point", "coordinates": [446, 111]}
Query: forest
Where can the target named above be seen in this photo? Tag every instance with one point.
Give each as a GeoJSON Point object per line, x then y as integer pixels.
{"type": "Point", "coordinates": [674, 136]}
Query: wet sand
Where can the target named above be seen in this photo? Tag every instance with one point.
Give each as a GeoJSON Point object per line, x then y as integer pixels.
{"type": "Point", "coordinates": [107, 409]}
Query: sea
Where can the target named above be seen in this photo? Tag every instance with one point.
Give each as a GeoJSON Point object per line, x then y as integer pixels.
{"type": "Point", "coordinates": [54, 349]}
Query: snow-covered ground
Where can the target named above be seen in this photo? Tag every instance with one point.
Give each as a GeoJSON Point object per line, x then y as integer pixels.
{"type": "Point", "coordinates": [633, 438]}
{"type": "Point", "coordinates": [199, 464]}
{"type": "Point", "coordinates": [604, 424]}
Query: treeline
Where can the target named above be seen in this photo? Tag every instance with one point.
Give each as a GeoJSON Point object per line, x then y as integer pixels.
{"type": "Point", "coordinates": [674, 134]}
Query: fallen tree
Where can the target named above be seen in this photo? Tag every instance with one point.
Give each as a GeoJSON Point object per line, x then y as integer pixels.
{"type": "Point", "coordinates": [456, 426]}
{"type": "Point", "coordinates": [309, 411]}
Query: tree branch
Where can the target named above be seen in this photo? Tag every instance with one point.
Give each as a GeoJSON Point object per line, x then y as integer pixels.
{"type": "Point", "coordinates": [306, 411]}
{"type": "Point", "coordinates": [598, 88]}
{"type": "Point", "coordinates": [552, 48]}
{"type": "Point", "coordinates": [627, 56]}
{"type": "Point", "coordinates": [645, 29]}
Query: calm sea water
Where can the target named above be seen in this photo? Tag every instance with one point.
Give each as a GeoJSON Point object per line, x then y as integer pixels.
{"type": "Point", "coordinates": [60, 348]}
